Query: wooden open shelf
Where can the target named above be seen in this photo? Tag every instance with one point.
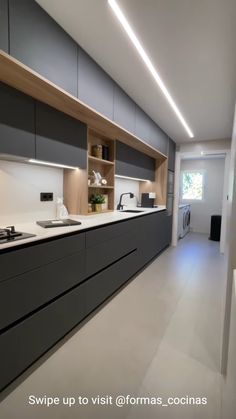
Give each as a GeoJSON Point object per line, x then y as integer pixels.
{"type": "Point", "coordinates": [95, 159]}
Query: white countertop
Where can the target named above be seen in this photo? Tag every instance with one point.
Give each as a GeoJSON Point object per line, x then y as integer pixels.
{"type": "Point", "coordinates": [88, 221]}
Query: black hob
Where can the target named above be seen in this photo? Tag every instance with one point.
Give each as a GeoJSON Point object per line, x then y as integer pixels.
{"type": "Point", "coordinates": [9, 234]}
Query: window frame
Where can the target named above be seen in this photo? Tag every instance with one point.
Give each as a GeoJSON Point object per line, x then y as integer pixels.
{"type": "Point", "coordinates": [203, 173]}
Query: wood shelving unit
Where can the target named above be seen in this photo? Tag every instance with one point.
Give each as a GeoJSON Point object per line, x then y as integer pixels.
{"type": "Point", "coordinates": [106, 168]}
{"type": "Point", "coordinates": [106, 162]}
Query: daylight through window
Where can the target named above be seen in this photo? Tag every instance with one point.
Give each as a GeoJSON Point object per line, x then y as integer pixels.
{"type": "Point", "coordinates": [192, 185]}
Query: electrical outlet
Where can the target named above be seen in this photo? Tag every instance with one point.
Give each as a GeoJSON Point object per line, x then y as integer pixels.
{"type": "Point", "coordinates": [46, 196]}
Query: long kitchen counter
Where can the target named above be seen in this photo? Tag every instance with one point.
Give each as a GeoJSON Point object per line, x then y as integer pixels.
{"type": "Point", "coordinates": [56, 279]}
{"type": "Point", "coordinates": [87, 223]}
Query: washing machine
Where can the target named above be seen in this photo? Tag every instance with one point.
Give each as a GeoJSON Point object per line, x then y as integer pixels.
{"type": "Point", "coordinates": [184, 220]}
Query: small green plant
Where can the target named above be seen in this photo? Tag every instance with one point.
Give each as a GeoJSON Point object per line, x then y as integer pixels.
{"type": "Point", "coordinates": [97, 199]}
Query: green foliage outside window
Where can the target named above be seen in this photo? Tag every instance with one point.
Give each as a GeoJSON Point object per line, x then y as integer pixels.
{"type": "Point", "coordinates": [192, 185]}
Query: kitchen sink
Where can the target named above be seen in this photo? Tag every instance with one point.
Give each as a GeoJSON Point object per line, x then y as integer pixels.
{"type": "Point", "coordinates": [131, 211]}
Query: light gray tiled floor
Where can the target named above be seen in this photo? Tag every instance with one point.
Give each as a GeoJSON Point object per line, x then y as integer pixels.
{"type": "Point", "coordinates": [160, 336]}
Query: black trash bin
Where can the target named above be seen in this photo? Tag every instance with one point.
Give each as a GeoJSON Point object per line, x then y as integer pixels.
{"type": "Point", "coordinates": [215, 228]}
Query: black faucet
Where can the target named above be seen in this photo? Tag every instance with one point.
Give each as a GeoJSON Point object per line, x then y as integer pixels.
{"type": "Point", "coordinates": [120, 206]}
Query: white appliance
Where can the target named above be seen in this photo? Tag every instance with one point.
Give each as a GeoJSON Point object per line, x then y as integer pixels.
{"type": "Point", "coordinates": [184, 220]}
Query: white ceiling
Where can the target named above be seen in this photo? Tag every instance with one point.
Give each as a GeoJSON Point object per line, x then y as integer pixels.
{"type": "Point", "coordinates": [191, 43]}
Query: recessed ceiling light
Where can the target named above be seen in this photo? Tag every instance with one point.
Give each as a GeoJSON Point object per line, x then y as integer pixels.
{"type": "Point", "coordinates": [124, 22]}
{"type": "Point", "coordinates": [45, 163]}
{"type": "Point", "coordinates": [202, 153]}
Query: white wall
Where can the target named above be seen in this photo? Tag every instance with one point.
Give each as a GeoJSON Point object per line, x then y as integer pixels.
{"type": "Point", "coordinates": [193, 147]}
{"type": "Point", "coordinates": [229, 335]}
{"type": "Point", "coordinates": [20, 187]}
{"type": "Point", "coordinates": [127, 185]}
{"type": "Point", "coordinates": [212, 204]}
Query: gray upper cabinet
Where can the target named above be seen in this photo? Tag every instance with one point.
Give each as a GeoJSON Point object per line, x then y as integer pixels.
{"type": "Point", "coordinates": [17, 126]}
{"type": "Point", "coordinates": [171, 155]}
{"type": "Point", "coordinates": [158, 139]}
{"type": "Point", "coordinates": [95, 87]}
{"type": "Point", "coordinates": [40, 43]}
{"type": "Point", "coordinates": [4, 25]}
{"type": "Point", "coordinates": [124, 110]}
{"type": "Point", "coordinates": [60, 138]}
{"type": "Point", "coordinates": [142, 124]}
{"type": "Point", "coordinates": [132, 163]}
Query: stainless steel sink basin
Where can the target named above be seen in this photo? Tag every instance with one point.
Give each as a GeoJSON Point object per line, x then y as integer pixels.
{"type": "Point", "coordinates": [131, 211]}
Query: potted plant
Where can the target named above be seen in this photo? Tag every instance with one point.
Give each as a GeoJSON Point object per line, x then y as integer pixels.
{"type": "Point", "coordinates": [97, 200]}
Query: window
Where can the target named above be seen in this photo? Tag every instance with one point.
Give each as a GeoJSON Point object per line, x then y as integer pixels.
{"type": "Point", "coordinates": [193, 185]}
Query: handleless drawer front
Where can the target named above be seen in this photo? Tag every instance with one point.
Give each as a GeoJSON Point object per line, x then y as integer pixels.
{"type": "Point", "coordinates": [16, 262]}
{"type": "Point", "coordinates": [24, 293]}
{"type": "Point", "coordinates": [102, 285]}
{"type": "Point", "coordinates": [24, 343]}
{"type": "Point", "coordinates": [107, 245]}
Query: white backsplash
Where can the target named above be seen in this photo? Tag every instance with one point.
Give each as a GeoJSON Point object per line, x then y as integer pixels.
{"type": "Point", "coordinates": [20, 187]}
{"type": "Point", "coordinates": [127, 185]}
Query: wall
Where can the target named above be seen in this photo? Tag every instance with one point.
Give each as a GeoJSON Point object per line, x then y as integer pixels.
{"type": "Point", "coordinates": [193, 147]}
{"type": "Point", "coordinates": [20, 187]}
{"type": "Point", "coordinates": [229, 336]}
{"type": "Point", "coordinates": [213, 194]}
{"type": "Point", "coordinates": [126, 185]}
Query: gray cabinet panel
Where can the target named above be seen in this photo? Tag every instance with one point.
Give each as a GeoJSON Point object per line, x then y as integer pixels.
{"type": "Point", "coordinates": [22, 344]}
{"type": "Point", "coordinates": [133, 163]}
{"type": "Point", "coordinates": [102, 234]}
{"type": "Point", "coordinates": [40, 43]}
{"type": "Point", "coordinates": [153, 228]}
{"type": "Point", "coordinates": [142, 124]}
{"type": "Point", "coordinates": [102, 255]}
{"type": "Point", "coordinates": [101, 286]}
{"type": "Point", "coordinates": [17, 127]}
{"type": "Point", "coordinates": [95, 87]}
{"type": "Point", "coordinates": [171, 155]}
{"type": "Point", "coordinates": [4, 25]}
{"type": "Point", "coordinates": [27, 292]}
{"type": "Point", "coordinates": [60, 138]}
{"type": "Point", "coordinates": [17, 261]}
{"type": "Point", "coordinates": [158, 139]}
{"type": "Point", "coordinates": [124, 110]}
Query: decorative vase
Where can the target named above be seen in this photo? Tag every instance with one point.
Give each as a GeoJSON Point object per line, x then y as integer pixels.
{"type": "Point", "coordinates": [98, 207]}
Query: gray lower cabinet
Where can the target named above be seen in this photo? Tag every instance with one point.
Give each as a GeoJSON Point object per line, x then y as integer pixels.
{"type": "Point", "coordinates": [25, 342]}
{"type": "Point", "coordinates": [60, 138]}
{"type": "Point", "coordinates": [124, 110]}
{"type": "Point", "coordinates": [104, 284]}
{"type": "Point", "coordinates": [95, 87]}
{"type": "Point", "coordinates": [133, 163]}
{"type": "Point", "coordinates": [25, 293]}
{"type": "Point", "coordinates": [153, 228]}
{"type": "Point", "coordinates": [46, 289]}
{"type": "Point", "coordinates": [18, 261]}
{"type": "Point", "coordinates": [4, 25]}
{"type": "Point", "coordinates": [171, 155]}
{"type": "Point", "coordinates": [17, 129]}
{"type": "Point", "coordinates": [39, 42]}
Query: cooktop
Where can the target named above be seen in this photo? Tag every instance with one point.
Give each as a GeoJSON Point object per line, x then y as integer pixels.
{"type": "Point", "coordinates": [9, 234]}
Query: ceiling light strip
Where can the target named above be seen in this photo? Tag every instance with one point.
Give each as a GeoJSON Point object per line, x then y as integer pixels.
{"type": "Point", "coordinates": [124, 22]}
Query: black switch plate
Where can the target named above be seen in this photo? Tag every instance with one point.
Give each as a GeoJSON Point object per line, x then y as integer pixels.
{"type": "Point", "coordinates": [46, 196]}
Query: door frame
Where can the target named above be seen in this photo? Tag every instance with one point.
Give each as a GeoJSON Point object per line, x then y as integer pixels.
{"type": "Point", "coordinates": [178, 157]}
